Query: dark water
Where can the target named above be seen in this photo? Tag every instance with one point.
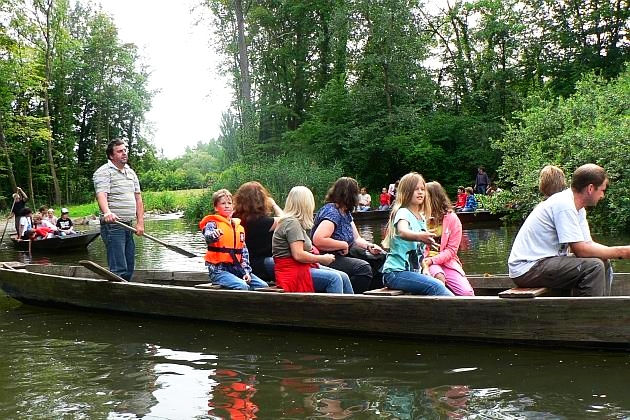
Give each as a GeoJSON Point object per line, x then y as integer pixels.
{"type": "Point", "coordinates": [76, 365]}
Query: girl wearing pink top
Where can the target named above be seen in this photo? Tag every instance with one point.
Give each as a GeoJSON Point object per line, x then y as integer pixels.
{"type": "Point", "coordinates": [444, 264]}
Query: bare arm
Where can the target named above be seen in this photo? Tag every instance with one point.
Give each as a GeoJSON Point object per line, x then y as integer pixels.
{"type": "Point", "coordinates": [322, 238]}
{"type": "Point", "coordinates": [374, 249]}
{"type": "Point", "coordinates": [409, 235]}
{"type": "Point", "coordinates": [277, 211]}
{"type": "Point", "coordinates": [597, 250]}
{"type": "Point", "coordinates": [299, 255]}
{"type": "Point", "coordinates": [139, 214]}
{"type": "Point", "coordinates": [22, 193]}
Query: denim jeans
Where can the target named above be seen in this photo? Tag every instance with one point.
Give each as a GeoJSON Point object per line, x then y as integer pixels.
{"type": "Point", "coordinates": [121, 249]}
{"type": "Point", "coordinates": [415, 283]}
{"type": "Point", "coordinates": [230, 281]}
{"type": "Point", "coordinates": [329, 280]}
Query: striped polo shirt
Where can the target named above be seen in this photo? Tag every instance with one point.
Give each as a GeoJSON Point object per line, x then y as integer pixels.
{"type": "Point", "coordinates": [120, 186]}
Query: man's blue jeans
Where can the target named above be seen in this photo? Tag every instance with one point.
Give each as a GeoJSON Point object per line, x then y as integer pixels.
{"type": "Point", "coordinates": [121, 249]}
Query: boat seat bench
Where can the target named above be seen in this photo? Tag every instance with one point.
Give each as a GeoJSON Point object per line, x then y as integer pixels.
{"type": "Point", "coordinates": [383, 291]}
{"type": "Point", "coordinates": [524, 292]}
{"type": "Point", "coordinates": [218, 286]}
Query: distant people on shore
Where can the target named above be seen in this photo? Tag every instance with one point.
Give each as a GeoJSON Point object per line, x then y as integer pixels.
{"type": "Point", "coordinates": [64, 223]}
{"type": "Point", "coordinates": [493, 188]}
{"type": "Point", "coordinates": [365, 200]}
{"type": "Point", "coordinates": [42, 228]}
{"type": "Point", "coordinates": [19, 203]}
{"type": "Point", "coordinates": [460, 203]}
{"type": "Point", "coordinates": [471, 201]}
{"type": "Point", "coordinates": [384, 200]}
{"type": "Point", "coordinates": [50, 216]}
{"type": "Point", "coordinates": [259, 215]}
{"type": "Point", "coordinates": [481, 181]}
{"type": "Point", "coordinates": [25, 223]}
{"type": "Point", "coordinates": [391, 190]}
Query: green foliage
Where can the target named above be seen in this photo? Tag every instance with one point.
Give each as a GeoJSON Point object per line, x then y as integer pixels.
{"type": "Point", "coordinates": [592, 126]}
{"type": "Point", "coordinates": [163, 201]}
{"type": "Point", "coordinates": [278, 175]}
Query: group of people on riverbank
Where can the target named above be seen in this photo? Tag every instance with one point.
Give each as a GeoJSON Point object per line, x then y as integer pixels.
{"type": "Point", "coordinates": [42, 224]}
{"type": "Point", "coordinates": [251, 241]}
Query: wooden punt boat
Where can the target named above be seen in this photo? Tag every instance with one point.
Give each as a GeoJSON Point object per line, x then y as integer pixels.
{"type": "Point", "coordinates": [57, 243]}
{"type": "Point", "coordinates": [467, 217]}
{"type": "Point", "coordinates": [558, 321]}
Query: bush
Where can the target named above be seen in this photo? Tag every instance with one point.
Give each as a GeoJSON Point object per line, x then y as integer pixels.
{"type": "Point", "coordinates": [278, 175]}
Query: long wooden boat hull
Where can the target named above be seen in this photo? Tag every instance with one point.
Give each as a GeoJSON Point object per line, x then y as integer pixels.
{"type": "Point", "coordinates": [57, 243]}
{"type": "Point", "coordinates": [467, 217]}
{"type": "Point", "coordinates": [600, 322]}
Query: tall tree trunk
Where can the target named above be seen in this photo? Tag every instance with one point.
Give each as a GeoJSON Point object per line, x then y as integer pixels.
{"type": "Point", "coordinates": [5, 150]}
{"type": "Point", "coordinates": [243, 59]}
{"type": "Point", "coordinates": [48, 10]}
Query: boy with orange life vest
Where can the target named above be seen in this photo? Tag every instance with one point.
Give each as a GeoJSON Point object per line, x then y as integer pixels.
{"type": "Point", "coordinates": [227, 258]}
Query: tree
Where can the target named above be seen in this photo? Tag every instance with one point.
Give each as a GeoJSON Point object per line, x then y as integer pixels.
{"type": "Point", "coordinates": [591, 126]}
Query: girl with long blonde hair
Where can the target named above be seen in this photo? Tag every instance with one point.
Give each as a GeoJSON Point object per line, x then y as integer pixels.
{"type": "Point", "coordinates": [297, 268]}
{"type": "Point", "coordinates": [407, 236]}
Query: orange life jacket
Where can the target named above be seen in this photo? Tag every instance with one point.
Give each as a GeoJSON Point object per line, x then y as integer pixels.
{"type": "Point", "coordinates": [228, 249]}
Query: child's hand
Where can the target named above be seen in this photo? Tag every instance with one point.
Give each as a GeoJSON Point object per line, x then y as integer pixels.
{"type": "Point", "coordinates": [215, 234]}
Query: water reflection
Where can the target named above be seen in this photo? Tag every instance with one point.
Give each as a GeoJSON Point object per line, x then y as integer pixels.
{"type": "Point", "coordinates": [61, 364]}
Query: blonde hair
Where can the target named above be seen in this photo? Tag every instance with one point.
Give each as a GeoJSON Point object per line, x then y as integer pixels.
{"type": "Point", "coordinates": [551, 180]}
{"type": "Point", "coordinates": [404, 195]}
{"type": "Point", "coordinates": [439, 202]}
{"type": "Point", "coordinates": [219, 194]}
{"type": "Point", "coordinates": [300, 204]}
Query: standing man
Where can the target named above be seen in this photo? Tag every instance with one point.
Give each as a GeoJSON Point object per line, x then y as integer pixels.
{"type": "Point", "coordinates": [482, 181]}
{"type": "Point", "coordinates": [539, 256]}
{"type": "Point", "coordinates": [119, 199]}
{"type": "Point", "coordinates": [19, 203]}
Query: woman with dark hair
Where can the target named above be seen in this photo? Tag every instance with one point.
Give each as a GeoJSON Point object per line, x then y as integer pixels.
{"type": "Point", "coordinates": [334, 231]}
{"type": "Point", "coordinates": [254, 206]}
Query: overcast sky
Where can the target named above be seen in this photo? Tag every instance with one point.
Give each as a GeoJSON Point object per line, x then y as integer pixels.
{"type": "Point", "coordinates": [191, 95]}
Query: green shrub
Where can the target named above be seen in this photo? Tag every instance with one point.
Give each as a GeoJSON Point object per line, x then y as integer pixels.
{"type": "Point", "coordinates": [277, 174]}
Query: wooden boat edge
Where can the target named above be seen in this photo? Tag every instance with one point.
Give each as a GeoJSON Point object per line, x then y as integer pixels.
{"type": "Point", "coordinates": [227, 306]}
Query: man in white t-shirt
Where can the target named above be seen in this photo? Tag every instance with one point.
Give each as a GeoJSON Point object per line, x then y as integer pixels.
{"type": "Point", "coordinates": [539, 256]}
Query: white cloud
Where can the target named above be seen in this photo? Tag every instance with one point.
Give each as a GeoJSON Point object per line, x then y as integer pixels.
{"type": "Point", "coordinates": [192, 96]}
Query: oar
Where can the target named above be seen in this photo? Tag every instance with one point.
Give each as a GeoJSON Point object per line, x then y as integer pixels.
{"type": "Point", "coordinates": [169, 246]}
{"type": "Point", "coordinates": [6, 225]}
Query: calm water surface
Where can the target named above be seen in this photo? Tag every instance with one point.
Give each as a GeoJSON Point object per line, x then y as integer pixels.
{"type": "Point", "coordinates": [75, 365]}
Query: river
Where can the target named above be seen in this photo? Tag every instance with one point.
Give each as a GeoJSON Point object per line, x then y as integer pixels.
{"type": "Point", "coordinates": [75, 365]}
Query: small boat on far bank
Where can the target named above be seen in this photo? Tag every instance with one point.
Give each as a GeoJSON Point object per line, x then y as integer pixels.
{"type": "Point", "coordinates": [465, 217]}
{"type": "Point", "coordinates": [57, 243]}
